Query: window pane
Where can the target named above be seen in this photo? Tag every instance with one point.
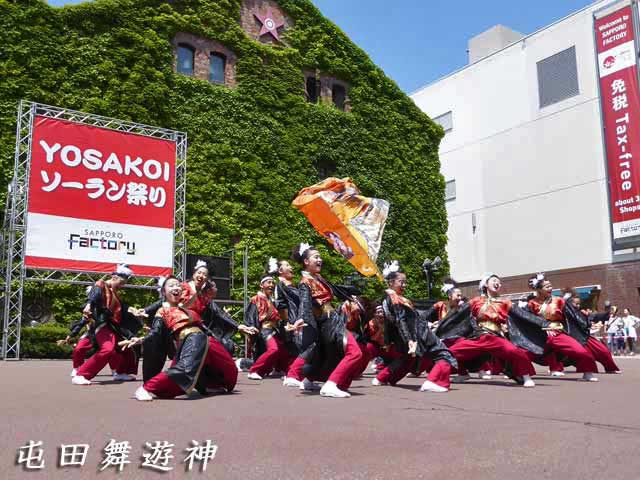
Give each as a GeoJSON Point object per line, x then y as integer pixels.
{"type": "Point", "coordinates": [339, 95]}
{"type": "Point", "coordinates": [445, 121]}
{"type": "Point", "coordinates": [312, 90]}
{"type": "Point", "coordinates": [216, 68]}
{"type": "Point", "coordinates": [185, 60]}
{"type": "Point", "coordinates": [450, 190]}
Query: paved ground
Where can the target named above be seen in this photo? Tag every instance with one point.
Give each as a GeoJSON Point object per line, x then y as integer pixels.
{"type": "Point", "coordinates": [562, 429]}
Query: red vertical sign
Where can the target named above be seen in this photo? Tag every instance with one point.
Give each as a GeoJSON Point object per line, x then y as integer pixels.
{"type": "Point", "coordinates": [620, 103]}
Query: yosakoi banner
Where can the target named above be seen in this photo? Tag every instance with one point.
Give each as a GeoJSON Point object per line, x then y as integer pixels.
{"type": "Point", "coordinates": [618, 73]}
{"type": "Point", "coordinates": [352, 223]}
{"type": "Point", "coordinates": [99, 197]}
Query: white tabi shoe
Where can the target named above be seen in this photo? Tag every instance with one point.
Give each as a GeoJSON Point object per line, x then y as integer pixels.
{"type": "Point", "coordinates": [528, 382]}
{"type": "Point", "coordinates": [486, 375]}
{"type": "Point", "coordinates": [428, 386]}
{"type": "Point", "coordinates": [254, 376]}
{"type": "Point", "coordinates": [123, 377]}
{"type": "Point", "coordinates": [377, 383]}
{"type": "Point", "coordinates": [74, 372]}
{"type": "Point", "coordinates": [330, 389]}
{"type": "Point", "coordinates": [80, 380]}
{"type": "Point", "coordinates": [589, 377]}
{"type": "Point", "coordinates": [557, 374]}
{"type": "Point", "coordinates": [309, 386]}
{"type": "Point", "coordinates": [291, 382]}
{"type": "Point", "coordinates": [142, 395]}
{"type": "Point", "coordinates": [237, 362]}
{"type": "Point", "coordinates": [460, 378]}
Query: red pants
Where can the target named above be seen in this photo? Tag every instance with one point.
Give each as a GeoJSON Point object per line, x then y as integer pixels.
{"type": "Point", "coordinates": [349, 366]}
{"type": "Point", "coordinates": [106, 340]}
{"type": "Point", "coordinates": [124, 361]}
{"type": "Point", "coordinates": [366, 358]}
{"type": "Point", "coordinates": [449, 342]}
{"type": "Point", "coordinates": [569, 347]}
{"type": "Point", "coordinates": [295, 369]}
{"type": "Point", "coordinates": [218, 358]}
{"type": "Point", "coordinates": [276, 356]}
{"type": "Point", "coordinates": [438, 373]}
{"type": "Point", "coordinates": [501, 348]}
{"type": "Point", "coordinates": [80, 351]}
{"type": "Point", "coordinates": [601, 354]}
{"type": "Point", "coordinates": [388, 355]}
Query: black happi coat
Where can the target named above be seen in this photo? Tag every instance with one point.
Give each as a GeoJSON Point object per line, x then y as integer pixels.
{"type": "Point", "coordinates": [287, 301]}
{"type": "Point", "coordinates": [221, 325]}
{"type": "Point", "coordinates": [403, 324]}
{"type": "Point", "coordinates": [188, 371]}
{"type": "Point", "coordinates": [456, 324]}
{"type": "Point", "coordinates": [526, 330]}
{"type": "Point", "coordinates": [325, 336]}
{"type": "Point", "coordinates": [129, 325]}
{"type": "Point", "coordinates": [578, 324]}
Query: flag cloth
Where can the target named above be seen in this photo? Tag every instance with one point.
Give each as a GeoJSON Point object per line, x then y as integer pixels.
{"type": "Point", "coordinates": [352, 223]}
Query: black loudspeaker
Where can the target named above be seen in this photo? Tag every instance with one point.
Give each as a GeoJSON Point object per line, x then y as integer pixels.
{"type": "Point", "coordinates": [219, 272]}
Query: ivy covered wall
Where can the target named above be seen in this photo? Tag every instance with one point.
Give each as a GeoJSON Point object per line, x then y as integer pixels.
{"type": "Point", "coordinates": [251, 147]}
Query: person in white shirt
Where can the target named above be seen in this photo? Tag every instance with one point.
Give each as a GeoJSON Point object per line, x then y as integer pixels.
{"type": "Point", "coordinates": [630, 323]}
{"type": "Point", "coordinates": [611, 327]}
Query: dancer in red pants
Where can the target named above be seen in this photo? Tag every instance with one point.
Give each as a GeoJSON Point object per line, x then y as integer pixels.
{"type": "Point", "coordinates": [401, 330]}
{"type": "Point", "coordinates": [112, 323]}
{"type": "Point", "coordinates": [200, 362]}
{"type": "Point", "coordinates": [263, 315]}
{"type": "Point", "coordinates": [491, 313]}
{"type": "Point", "coordinates": [558, 341]}
{"type": "Point", "coordinates": [579, 327]}
{"type": "Point", "coordinates": [330, 351]}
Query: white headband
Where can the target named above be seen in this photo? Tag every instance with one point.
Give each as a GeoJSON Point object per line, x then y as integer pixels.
{"type": "Point", "coordinates": [485, 279]}
{"type": "Point", "coordinates": [273, 265]}
{"type": "Point", "coordinates": [303, 248]}
{"type": "Point", "coordinates": [123, 270]}
{"type": "Point", "coordinates": [390, 268]}
{"type": "Point", "coordinates": [447, 287]}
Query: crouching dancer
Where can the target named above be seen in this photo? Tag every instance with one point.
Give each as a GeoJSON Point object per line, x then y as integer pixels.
{"type": "Point", "coordinates": [402, 330]}
{"type": "Point", "coordinates": [113, 322]}
{"type": "Point", "coordinates": [200, 361]}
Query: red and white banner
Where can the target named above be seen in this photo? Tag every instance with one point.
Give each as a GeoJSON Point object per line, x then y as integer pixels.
{"type": "Point", "coordinates": [618, 73]}
{"type": "Point", "coordinates": [99, 197]}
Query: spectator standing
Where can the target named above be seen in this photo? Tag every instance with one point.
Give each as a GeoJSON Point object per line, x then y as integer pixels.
{"type": "Point", "coordinates": [630, 324]}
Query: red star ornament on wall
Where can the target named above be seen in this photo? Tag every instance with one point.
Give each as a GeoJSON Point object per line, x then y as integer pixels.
{"type": "Point", "coordinates": [269, 24]}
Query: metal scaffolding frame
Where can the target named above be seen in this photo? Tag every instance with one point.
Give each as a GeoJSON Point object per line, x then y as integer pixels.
{"type": "Point", "coordinates": [13, 237]}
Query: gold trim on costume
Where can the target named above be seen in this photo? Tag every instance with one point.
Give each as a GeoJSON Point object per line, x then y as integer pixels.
{"type": "Point", "coordinates": [183, 333]}
{"type": "Point", "coordinates": [489, 325]}
{"type": "Point", "coordinates": [556, 326]}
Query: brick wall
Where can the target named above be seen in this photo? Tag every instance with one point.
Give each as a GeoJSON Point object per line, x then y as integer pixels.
{"type": "Point", "coordinates": [620, 283]}
{"type": "Point", "coordinates": [252, 26]}
{"type": "Point", "coordinates": [203, 48]}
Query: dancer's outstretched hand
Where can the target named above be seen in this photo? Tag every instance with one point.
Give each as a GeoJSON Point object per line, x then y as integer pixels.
{"type": "Point", "coordinates": [130, 343]}
{"type": "Point", "coordinates": [247, 330]}
{"type": "Point", "coordinates": [296, 327]}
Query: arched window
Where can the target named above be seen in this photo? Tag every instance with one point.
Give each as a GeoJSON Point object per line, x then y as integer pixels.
{"type": "Point", "coordinates": [338, 95]}
{"type": "Point", "coordinates": [186, 55]}
{"type": "Point", "coordinates": [217, 65]}
{"type": "Point", "coordinates": [312, 90]}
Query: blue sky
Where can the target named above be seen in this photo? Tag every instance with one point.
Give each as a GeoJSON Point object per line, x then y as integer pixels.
{"type": "Point", "coordinates": [418, 41]}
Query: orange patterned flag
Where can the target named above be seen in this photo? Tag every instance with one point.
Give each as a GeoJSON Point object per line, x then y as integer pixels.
{"type": "Point", "coordinates": [353, 224]}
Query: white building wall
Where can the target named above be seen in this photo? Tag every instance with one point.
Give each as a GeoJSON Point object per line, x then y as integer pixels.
{"type": "Point", "coordinates": [534, 178]}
